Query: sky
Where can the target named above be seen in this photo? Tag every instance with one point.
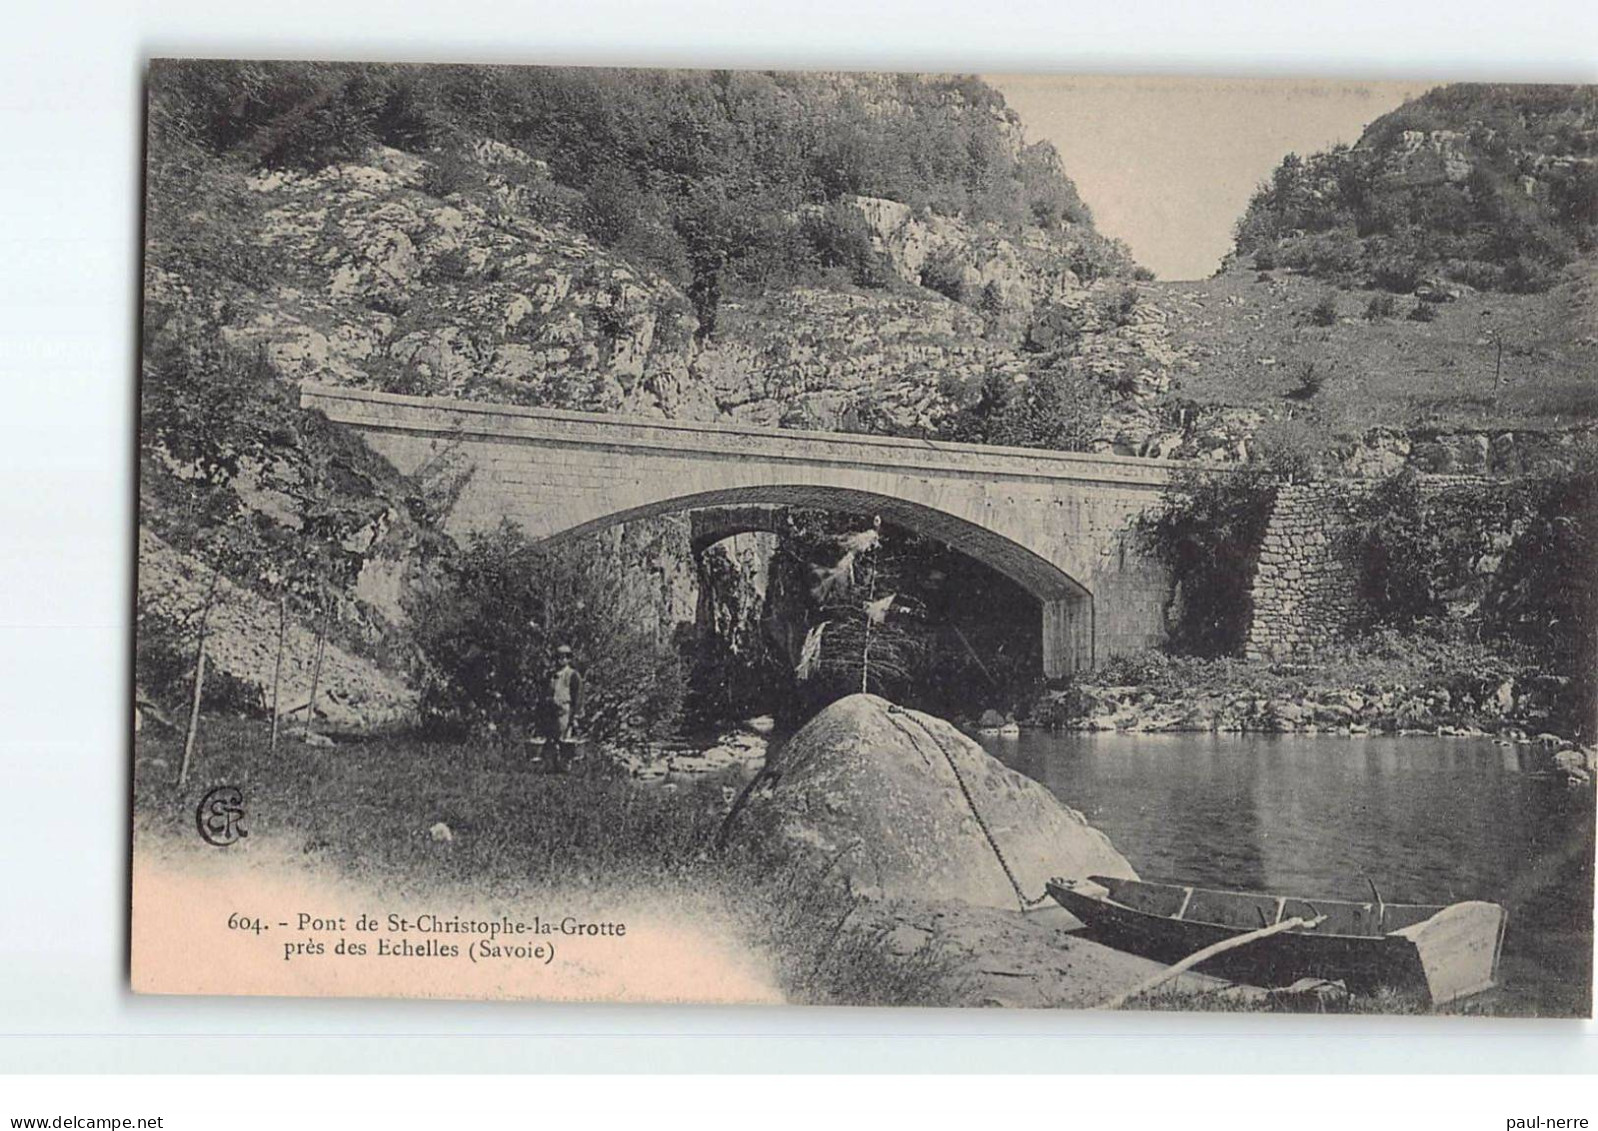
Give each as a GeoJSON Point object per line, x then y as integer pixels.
{"type": "Point", "coordinates": [1168, 164]}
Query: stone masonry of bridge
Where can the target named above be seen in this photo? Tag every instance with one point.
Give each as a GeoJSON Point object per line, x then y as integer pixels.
{"type": "Point", "coordinates": [1058, 523]}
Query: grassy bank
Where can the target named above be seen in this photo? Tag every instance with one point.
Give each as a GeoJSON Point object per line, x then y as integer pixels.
{"type": "Point", "coordinates": [366, 811]}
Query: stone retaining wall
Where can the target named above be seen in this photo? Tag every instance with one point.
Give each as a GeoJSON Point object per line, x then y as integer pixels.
{"type": "Point", "coordinates": [1305, 585]}
{"type": "Point", "coordinates": [1306, 581]}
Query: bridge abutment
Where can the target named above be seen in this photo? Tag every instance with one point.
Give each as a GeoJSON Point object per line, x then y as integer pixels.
{"type": "Point", "coordinates": [1067, 636]}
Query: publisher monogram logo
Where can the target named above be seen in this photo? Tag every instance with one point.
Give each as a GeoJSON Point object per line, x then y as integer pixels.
{"type": "Point", "coordinates": [220, 817]}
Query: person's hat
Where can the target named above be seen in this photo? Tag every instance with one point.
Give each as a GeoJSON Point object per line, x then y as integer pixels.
{"type": "Point", "coordinates": [564, 650]}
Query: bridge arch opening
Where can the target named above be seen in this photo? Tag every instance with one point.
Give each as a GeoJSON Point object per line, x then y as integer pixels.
{"type": "Point", "coordinates": [1066, 606]}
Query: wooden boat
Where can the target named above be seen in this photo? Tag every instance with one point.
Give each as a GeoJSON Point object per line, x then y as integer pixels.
{"type": "Point", "coordinates": [1437, 951]}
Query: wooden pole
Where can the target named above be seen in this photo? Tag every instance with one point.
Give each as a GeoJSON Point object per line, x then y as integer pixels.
{"type": "Point", "coordinates": [980, 665]}
{"type": "Point", "coordinates": [316, 668]}
{"type": "Point", "coordinates": [193, 732]}
{"type": "Point", "coordinates": [277, 665]}
{"type": "Point", "coordinates": [865, 650]}
{"type": "Point", "coordinates": [1206, 954]}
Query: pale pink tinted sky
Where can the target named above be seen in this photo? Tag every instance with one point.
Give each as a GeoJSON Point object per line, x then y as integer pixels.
{"type": "Point", "coordinates": [1168, 164]}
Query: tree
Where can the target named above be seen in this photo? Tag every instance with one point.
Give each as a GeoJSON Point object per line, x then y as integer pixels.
{"type": "Point", "coordinates": [859, 638]}
{"type": "Point", "coordinates": [486, 630]}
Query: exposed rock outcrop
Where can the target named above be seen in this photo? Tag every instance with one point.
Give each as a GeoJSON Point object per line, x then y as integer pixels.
{"type": "Point", "coordinates": [353, 693]}
{"type": "Point", "coordinates": [885, 796]}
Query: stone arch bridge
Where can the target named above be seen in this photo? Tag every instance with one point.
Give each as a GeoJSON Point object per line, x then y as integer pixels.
{"type": "Point", "coordinates": [1055, 522]}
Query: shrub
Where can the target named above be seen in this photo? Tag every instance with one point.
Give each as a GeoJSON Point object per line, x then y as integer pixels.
{"type": "Point", "coordinates": [450, 265]}
{"type": "Point", "coordinates": [408, 377]}
{"type": "Point", "coordinates": [1135, 669]}
{"type": "Point", "coordinates": [163, 664]}
{"type": "Point", "coordinates": [1400, 275]}
{"type": "Point", "coordinates": [1524, 275]}
{"type": "Point", "coordinates": [944, 273]}
{"type": "Point", "coordinates": [1207, 532]}
{"type": "Point", "coordinates": [1423, 312]}
{"type": "Point", "coordinates": [1324, 312]}
{"type": "Point", "coordinates": [1117, 307]}
{"type": "Point", "coordinates": [612, 206]}
{"type": "Point", "coordinates": [992, 301]}
{"type": "Point", "coordinates": [1311, 380]}
{"type": "Point", "coordinates": [1419, 548]}
{"type": "Point", "coordinates": [450, 171]}
{"type": "Point", "coordinates": [1294, 448]}
{"type": "Point", "coordinates": [1089, 261]}
{"type": "Point", "coordinates": [1335, 255]}
{"type": "Point", "coordinates": [1546, 591]}
{"type": "Point", "coordinates": [1510, 563]}
{"type": "Point", "coordinates": [1058, 409]}
{"type": "Point", "coordinates": [839, 236]}
{"type": "Point", "coordinates": [1380, 307]}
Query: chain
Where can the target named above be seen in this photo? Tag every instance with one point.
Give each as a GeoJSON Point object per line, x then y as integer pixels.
{"type": "Point", "coordinates": [1027, 904]}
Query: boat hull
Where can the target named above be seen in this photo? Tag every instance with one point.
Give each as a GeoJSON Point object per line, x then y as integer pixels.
{"type": "Point", "coordinates": [1446, 953]}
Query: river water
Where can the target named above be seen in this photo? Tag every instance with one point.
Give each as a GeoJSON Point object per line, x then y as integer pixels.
{"type": "Point", "coordinates": [1429, 820]}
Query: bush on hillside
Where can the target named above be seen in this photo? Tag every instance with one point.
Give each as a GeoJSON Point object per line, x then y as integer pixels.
{"type": "Point", "coordinates": [1545, 594]}
{"type": "Point", "coordinates": [1117, 307]}
{"type": "Point", "coordinates": [944, 272]}
{"type": "Point", "coordinates": [1421, 548]}
{"type": "Point", "coordinates": [1058, 408]}
{"type": "Point", "coordinates": [448, 172]}
{"type": "Point", "coordinates": [838, 236]}
{"type": "Point", "coordinates": [1508, 562]}
{"type": "Point", "coordinates": [1380, 307]}
{"type": "Point", "coordinates": [219, 428]}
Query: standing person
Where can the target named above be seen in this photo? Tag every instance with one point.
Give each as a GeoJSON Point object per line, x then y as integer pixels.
{"type": "Point", "coordinates": [564, 703]}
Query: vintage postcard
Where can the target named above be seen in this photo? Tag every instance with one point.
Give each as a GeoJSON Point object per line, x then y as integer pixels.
{"type": "Point", "coordinates": [879, 539]}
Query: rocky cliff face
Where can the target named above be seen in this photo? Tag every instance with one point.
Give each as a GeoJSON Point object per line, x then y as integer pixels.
{"type": "Point", "coordinates": [380, 278]}
{"type": "Point", "coordinates": [376, 282]}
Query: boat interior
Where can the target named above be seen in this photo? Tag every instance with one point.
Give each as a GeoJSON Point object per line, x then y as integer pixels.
{"type": "Point", "coordinates": [1249, 911]}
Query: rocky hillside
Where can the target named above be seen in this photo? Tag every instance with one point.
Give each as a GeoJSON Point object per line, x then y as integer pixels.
{"type": "Point", "coordinates": [1490, 186]}
{"type": "Point", "coordinates": [1426, 296]}
{"type": "Point", "coordinates": [1366, 374]}
{"type": "Point", "coordinates": [871, 253]}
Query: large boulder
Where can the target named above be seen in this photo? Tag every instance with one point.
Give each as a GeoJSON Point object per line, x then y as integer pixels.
{"type": "Point", "coordinates": [870, 789]}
